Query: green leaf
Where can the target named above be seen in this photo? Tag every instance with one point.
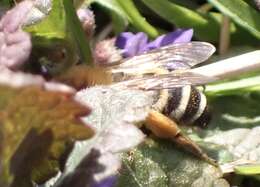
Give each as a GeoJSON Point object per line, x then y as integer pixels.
{"type": "Point", "coordinates": [51, 38]}
{"type": "Point", "coordinates": [206, 26]}
{"type": "Point", "coordinates": [119, 17]}
{"type": "Point", "coordinates": [160, 163]}
{"type": "Point", "coordinates": [253, 169]}
{"type": "Point", "coordinates": [37, 126]}
{"type": "Point", "coordinates": [186, 3]}
{"type": "Point", "coordinates": [59, 31]}
{"type": "Point", "coordinates": [53, 25]}
{"type": "Point", "coordinates": [6, 3]}
{"type": "Point", "coordinates": [240, 86]}
{"type": "Point", "coordinates": [241, 13]}
{"type": "Point", "coordinates": [237, 117]}
{"type": "Point", "coordinates": [136, 18]}
{"type": "Point", "coordinates": [118, 24]}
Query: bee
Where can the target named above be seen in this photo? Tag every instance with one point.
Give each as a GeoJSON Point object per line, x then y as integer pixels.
{"type": "Point", "coordinates": [166, 70]}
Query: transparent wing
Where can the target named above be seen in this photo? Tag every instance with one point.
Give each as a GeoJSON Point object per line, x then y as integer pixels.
{"type": "Point", "coordinates": [165, 81]}
{"type": "Point", "coordinates": [174, 56]}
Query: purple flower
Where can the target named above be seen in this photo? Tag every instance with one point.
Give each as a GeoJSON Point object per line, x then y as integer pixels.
{"type": "Point", "coordinates": [131, 44]}
{"type": "Point", "coordinates": [134, 44]}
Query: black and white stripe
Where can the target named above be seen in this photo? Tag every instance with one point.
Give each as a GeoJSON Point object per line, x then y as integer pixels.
{"type": "Point", "coordinates": [187, 105]}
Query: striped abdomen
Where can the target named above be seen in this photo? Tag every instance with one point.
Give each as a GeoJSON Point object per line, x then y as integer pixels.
{"type": "Point", "coordinates": [187, 105]}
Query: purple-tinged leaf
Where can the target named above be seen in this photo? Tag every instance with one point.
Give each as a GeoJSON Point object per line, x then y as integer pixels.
{"type": "Point", "coordinates": [94, 170]}
{"type": "Point", "coordinates": [20, 79]}
{"type": "Point", "coordinates": [15, 45]}
{"type": "Point", "coordinates": [115, 114]}
{"type": "Point", "coordinates": [14, 18]}
{"type": "Point", "coordinates": [45, 125]}
{"type": "Point", "coordinates": [56, 86]}
{"type": "Point", "coordinates": [127, 134]}
{"type": "Point", "coordinates": [15, 49]}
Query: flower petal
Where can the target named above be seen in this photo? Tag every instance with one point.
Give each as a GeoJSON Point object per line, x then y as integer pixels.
{"type": "Point", "coordinates": [155, 44]}
{"type": "Point", "coordinates": [122, 39]}
{"type": "Point", "coordinates": [131, 44]}
{"type": "Point", "coordinates": [178, 36]}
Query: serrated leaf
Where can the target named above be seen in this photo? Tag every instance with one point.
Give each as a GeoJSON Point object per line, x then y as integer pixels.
{"type": "Point", "coordinates": [21, 79]}
{"type": "Point", "coordinates": [36, 126]}
{"type": "Point", "coordinates": [15, 44]}
{"type": "Point", "coordinates": [127, 107]}
{"type": "Point", "coordinates": [241, 13]}
{"type": "Point", "coordinates": [114, 115]}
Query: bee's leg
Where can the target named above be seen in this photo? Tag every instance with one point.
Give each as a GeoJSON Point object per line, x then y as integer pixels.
{"type": "Point", "coordinates": [164, 127]}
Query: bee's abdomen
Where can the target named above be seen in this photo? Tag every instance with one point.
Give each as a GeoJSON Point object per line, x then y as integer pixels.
{"type": "Point", "coordinates": [188, 105]}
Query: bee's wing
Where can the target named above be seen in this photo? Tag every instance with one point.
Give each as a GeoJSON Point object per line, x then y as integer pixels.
{"type": "Point", "coordinates": [174, 56]}
{"type": "Point", "coordinates": [165, 81]}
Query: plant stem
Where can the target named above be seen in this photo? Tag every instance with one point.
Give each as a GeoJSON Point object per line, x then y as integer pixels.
{"type": "Point", "coordinates": [75, 27]}
{"type": "Point", "coordinates": [224, 39]}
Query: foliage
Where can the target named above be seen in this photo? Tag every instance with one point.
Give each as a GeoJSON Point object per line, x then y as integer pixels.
{"type": "Point", "coordinates": [32, 114]}
{"type": "Point", "coordinates": [57, 128]}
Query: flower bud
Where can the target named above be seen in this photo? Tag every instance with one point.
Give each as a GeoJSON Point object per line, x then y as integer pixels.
{"type": "Point", "coordinates": [87, 19]}
{"type": "Point", "coordinates": [106, 52]}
